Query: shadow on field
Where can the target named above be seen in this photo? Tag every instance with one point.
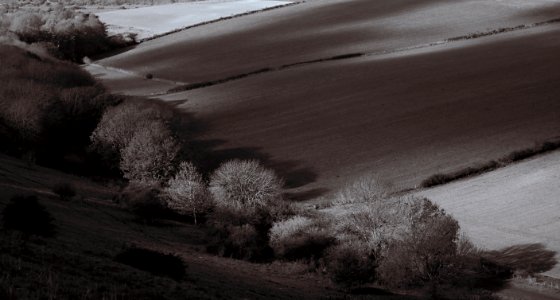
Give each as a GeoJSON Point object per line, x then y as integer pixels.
{"type": "Point", "coordinates": [494, 269]}
{"type": "Point", "coordinates": [114, 52]}
{"type": "Point", "coordinates": [208, 154]}
{"type": "Point", "coordinates": [306, 195]}
{"type": "Point", "coordinates": [525, 258]}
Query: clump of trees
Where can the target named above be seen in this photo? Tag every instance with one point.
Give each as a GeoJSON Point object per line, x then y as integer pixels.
{"type": "Point", "coordinates": [403, 242]}
{"type": "Point", "coordinates": [365, 189]}
{"type": "Point", "coordinates": [247, 201]}
{"type": "Point", "coordinates": [370, 237]}
{"type": "Point", "coordinates": [150, 154]}
{"type": "Point", "coordinates": [136, 136]}
{"type": "Point", "coordinates": [300, 238]}
{"type": "Point", "coordinates": [245, 188]}
{"type": "Point", "coordinates": [48, 109]}
{"type": "Point", "coordinates": [65, 32]}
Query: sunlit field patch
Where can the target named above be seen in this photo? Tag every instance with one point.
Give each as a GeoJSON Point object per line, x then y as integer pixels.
{"type": "Point", "coordinates": [148, 22]}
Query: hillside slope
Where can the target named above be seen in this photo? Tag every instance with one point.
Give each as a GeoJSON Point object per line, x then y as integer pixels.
{"type": "Point", "coordinates": [79, 261]}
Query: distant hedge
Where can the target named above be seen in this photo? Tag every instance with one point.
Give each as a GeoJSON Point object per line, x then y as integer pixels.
{"type": "Point", "coordinates": [518, 155]}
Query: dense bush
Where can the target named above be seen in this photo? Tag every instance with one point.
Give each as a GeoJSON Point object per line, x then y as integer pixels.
{"type": "Point", "coordinates": [119, 123]}
{"type": "Point", "coordinates": [245, 187]}
{"type": "Point", "coordinates": [351, 263]}
{"type": "Point", "coordinates": [48, 109]}
{"type": "Point", "coordinates": [64, 32]}
{"type": "Point", "coordinates": [136, 137]}
{"type": "Point", "coordinates": [150, 155]}
{"type": "Point", "coordinates": [26, 215]}
{"type": "Point", "coordinates": [186, 193]}
{"type": "Point", "coordinates": [365, 189]}
{"type": "Point", "coordinates": [156, 263]}
{"type": "Point", "coordinates": [404, 241]}
{"type": "Point", "coordinates": [425, 253]}
{"type": "Point", "coordinates": [300, 238]}
{"type": "Point", "coordinates": [144, 201]}
{"type": "Point", "coordinates": [241, 241]}
{"type": "Point", "coordinates": [248, 200]}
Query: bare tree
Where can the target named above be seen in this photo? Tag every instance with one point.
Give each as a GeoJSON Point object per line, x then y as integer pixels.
{"type": "Point", "coordinates": [186, 192]}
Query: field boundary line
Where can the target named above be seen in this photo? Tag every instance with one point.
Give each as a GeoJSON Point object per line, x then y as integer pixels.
{"type": "Point", "coordinates": [220, 20]}
{"type": "Point", "coordinates": [348, 56]}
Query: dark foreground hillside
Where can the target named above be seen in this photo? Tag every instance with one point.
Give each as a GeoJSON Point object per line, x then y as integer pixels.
{"type": "Point", "coordinates": [79, 261]}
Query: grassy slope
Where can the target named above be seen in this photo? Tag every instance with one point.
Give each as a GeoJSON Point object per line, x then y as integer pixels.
{"type": "Point", "coordinates": [91, 231]}
{"type": "Point", "coordinates": [515, 205]}
{"type": "Point", "coordinates": [317, 29]}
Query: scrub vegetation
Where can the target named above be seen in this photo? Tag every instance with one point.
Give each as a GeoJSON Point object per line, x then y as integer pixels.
{"type": "Point", "coordinates": [60, 30]}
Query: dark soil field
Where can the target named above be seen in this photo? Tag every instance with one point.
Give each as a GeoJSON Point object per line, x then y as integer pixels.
{"type": "Point", "coordinates": [319, 29]}
{"type": "Point", "coordinates": [451, 106]}
{"type": "Point", "coordinates": [403, 115]}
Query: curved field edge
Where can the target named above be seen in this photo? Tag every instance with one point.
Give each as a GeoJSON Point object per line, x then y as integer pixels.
{"type": "Point", "coordinates": [197, 85]}
{"type": "Point", "coordinates": [306, 32]}
{"type": "Point", "coordinates": [517, 204]}
{"type": "Point", "coordinates": [171, 18]}
{"type": "Point", "coordinates": [452, 108]}
{"type": "Point", "coordinates": [515, 156]}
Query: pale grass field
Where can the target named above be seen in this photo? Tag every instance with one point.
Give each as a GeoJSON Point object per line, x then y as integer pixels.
{"type": "Point", "coordinates": [151, 21]}
{"type": "Point", "coordinates": [519, 204]}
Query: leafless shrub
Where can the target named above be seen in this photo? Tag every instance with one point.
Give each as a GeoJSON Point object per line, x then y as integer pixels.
{"type": "Point", "coordinates": [244, 187]}
{"type": "Point", "coordinates": [365, 189]}
{"type": "Point", "coordinates": [186, 193]}
{"type": "Point", "coordinates": [351, 263]}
